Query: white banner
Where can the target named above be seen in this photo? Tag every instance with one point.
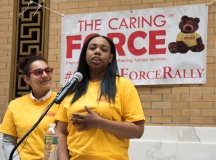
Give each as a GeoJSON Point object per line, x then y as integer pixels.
{"type": "Point", "coordinates": [154, 46]}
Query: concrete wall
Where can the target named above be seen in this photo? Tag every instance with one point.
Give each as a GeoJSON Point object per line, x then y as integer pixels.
{"type": "Point", "coordinates": [174, 143]}
{"type": "Point", "coordinates": [171, 143]}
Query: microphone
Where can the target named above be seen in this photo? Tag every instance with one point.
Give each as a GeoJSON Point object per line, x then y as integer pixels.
{"type": "Point", "coordinates": [77, 77]}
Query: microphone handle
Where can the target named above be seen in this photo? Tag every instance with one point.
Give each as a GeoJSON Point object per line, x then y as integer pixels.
{"type": "Point", "coordinates": [64, 92]}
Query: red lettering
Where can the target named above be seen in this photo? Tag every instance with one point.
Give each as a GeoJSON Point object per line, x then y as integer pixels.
{"type": "Point", "coordinates": [123, 71]}
{"type": "Point", "coordinates": [138, 22]}
{"type": "Point", "coordinates": [120, 42]}
{"type": "Point", "coordinates": [192, 76]}
{"type": "Point", "coordinates": [93, 25]}
{"type": "Point", "coordinates": [71, 46]}
{"type": "Point", "coordinates": [89, 25]}
{"type": "Point", "coordinates": [147, 22]}
{"type": "Point", "coordinates": [119, 45]}
{"type": "Point", "coordinates": [157, 74]}
{"type": "Point", "coordinates": [133, 21]}
{"type": "Point", "coordinates": [52, 114]}
{"type": "Point", "coordinates": [133, 74]}
{"type": "Point", "coordinates": [156, 20]}
{"type": "Point", "coordinates": [177, 74]}
{"type": "Point", "coordinates": [131, 47]}
{"type": "Point", "coordinates": [147, 75]}
{"type": "Point", "coordinates": [184, 73]}
{"type": "Point", "coordinates": [200, 72]}
{"type": "Point", "coordinates": [80, 22]}
{"type": "Point", "coordinates": [123, 23]}
{"type": "Point", "coordinates": [142, 75]}
{"type": "Point", "coordinates": [97, 24]}
{"type": "Point", "coordinates": [153, 42]}
{"type": "Point", "coordinates": [109, 23]}
{"type": "Point", "coordinates": [167, 72]}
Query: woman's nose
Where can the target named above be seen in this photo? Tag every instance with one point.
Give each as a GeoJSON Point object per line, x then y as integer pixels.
{"type": "Point", "coordinates": [97, 51]}
{"type": "Point", "coordinates": [44, 74]}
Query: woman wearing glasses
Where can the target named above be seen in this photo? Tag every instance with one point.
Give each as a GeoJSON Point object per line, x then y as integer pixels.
{"type": "Point", "coordinates": [23, 112]}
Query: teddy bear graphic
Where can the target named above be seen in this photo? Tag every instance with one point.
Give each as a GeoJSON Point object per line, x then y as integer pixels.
{"type": "Point", "coordinates": [187, 39]}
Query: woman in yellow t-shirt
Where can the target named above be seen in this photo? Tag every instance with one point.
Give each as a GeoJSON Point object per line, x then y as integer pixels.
{"type": "Point", "coordinates": [102, 112]}
{"type": "Point", "coordinates": [22, 113]}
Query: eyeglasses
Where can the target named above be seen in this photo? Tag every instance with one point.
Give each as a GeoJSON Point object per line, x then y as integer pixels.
{"type": "Point", "coordinates": [39, 72]}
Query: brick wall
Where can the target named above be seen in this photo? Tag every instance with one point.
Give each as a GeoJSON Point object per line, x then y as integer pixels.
{"type": "Point", "coordinates": [6, 21]}
{"type": "Point", "coordinates": [173, 105]}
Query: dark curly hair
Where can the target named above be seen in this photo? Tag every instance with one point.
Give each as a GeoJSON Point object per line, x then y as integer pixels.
{"type": "Point", "coordinates": [25, 63]}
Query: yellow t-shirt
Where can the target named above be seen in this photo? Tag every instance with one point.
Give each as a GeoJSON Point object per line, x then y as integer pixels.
{"type": "Point", "coordinates": [96, 144]}
{"type": "Point", "coordinates": [21, 115]}
{"type": "Point", "coordinates": [188, 38]}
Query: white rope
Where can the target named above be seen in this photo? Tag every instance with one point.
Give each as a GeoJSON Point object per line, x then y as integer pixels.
{"type": "Point", "coordinates": [25, 9]}
{"type": "Point", "coordinates": [210, 2]}
{"type": "Point", "coordinates": [39, 6]}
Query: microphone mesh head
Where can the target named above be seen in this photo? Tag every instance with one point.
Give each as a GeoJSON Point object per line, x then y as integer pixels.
{"type": "Point", "coordinates": [78, 75]}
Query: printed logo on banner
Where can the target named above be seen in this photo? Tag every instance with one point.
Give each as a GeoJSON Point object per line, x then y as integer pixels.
{"type": "Point", "coordinates": [188, 38]}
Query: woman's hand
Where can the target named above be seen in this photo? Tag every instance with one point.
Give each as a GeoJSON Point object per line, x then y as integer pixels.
{"type": "Point", "coordinates": [119, 129]}
{"type": "Point", "coordinates": [86, 121]}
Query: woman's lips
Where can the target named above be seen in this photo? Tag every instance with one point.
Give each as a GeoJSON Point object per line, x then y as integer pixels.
{"type": "Point", "coordinates": [45, 81]}
{"type": "Point", "coordinates": [96, 60]}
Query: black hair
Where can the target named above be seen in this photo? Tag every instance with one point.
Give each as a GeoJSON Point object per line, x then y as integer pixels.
{"type": "Point", "coordinates": [108, 85]}
{"type": "Point", "coordinates": [25, 63]}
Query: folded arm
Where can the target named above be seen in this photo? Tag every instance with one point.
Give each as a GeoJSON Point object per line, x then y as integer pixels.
{"type": "Point", "coordinates": [119, 129]}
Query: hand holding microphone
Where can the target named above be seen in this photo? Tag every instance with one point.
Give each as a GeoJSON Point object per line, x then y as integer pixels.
{"type": "Point", "coordinates": [77, 77]}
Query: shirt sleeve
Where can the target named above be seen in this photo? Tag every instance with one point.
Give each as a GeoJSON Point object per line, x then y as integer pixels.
{"type": "Point", "coordinates": [8, 144]}
{"type": "Point", "coordinates": [8, 126]}
{"type": "Point", "coordinates": [61, 114]}
{"type": "Point", "coordinates": [132, 108]}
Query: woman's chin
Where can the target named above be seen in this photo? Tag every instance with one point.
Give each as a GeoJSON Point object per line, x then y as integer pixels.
{"type": "Point", "coordinates": [46, 87]}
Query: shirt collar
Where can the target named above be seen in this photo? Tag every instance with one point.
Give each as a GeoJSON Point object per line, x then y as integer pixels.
{"type": "Point", "coordinates": [48, 95]}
